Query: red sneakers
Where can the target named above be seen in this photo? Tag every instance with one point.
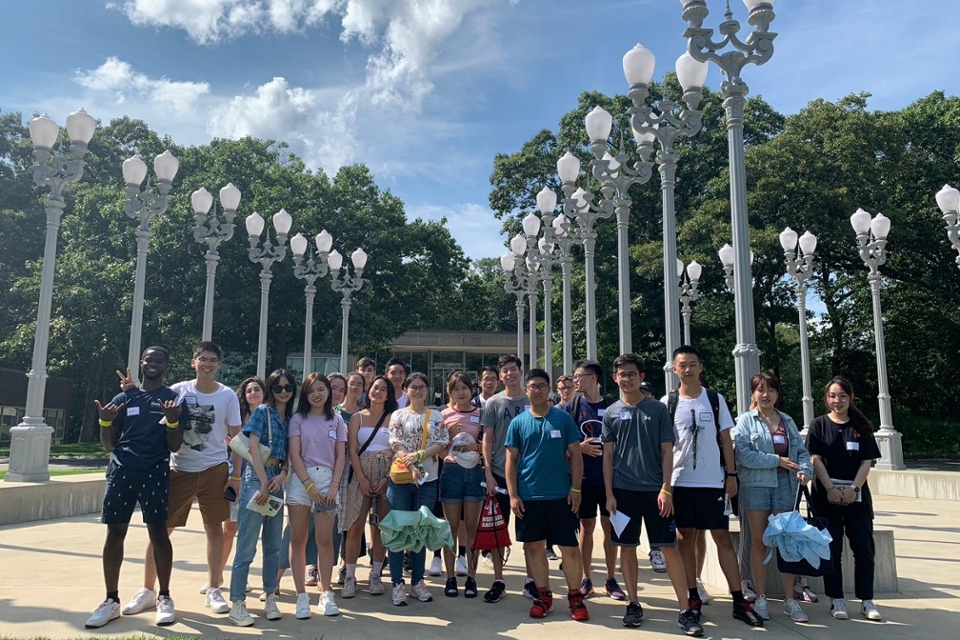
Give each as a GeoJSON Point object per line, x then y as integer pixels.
{"type": "Point", "coordinates": [578, 610]}
{"type": "Point", "coordinates": [542, 605]}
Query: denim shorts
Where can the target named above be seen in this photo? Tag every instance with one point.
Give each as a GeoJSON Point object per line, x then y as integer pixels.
{"type": "Point", "coordinates": [461, 485]}
{"type": "Point", "coordinates": [779, 498]}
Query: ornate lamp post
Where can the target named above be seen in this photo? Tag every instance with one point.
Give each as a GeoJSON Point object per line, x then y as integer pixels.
{"type": "Point", "coordinates": [948, 200]}
{"type": "Point", "coordinates": [872, 244]}
{"type": "Point", "coordinates": [564, 239]}
{"type": "Point", "coordinates": [799, 258]}
{"type": "Point", "coordinates": [546, 258]}
{"type": "Point", "coordinates": [208, 230]}
{"type": "Point", "coordinates": [309, 272]}
{"type": "Point", "coordinates": [512, 285]}
{"type": "Point", "coordinates": [345, 284]}
{"type": "Point", "coordinates": [30, 440]}
{"type": "Point", "coordinates": [266, 255]}
{"type": "Point", "coordinates": [689, 293]}
{"type": "Point", "coordinates": [757, 49]}
{"type": "Point", "coordinates": [531, 227]}
{"type": "Point", "coordinates": [144, 205]}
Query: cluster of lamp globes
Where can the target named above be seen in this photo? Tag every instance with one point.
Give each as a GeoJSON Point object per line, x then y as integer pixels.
{"type": "Point", "coordinates": [282, 221]}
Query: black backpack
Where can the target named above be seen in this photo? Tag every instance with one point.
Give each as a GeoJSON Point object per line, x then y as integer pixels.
{"type": "Point", "coordinates": [673, 398]}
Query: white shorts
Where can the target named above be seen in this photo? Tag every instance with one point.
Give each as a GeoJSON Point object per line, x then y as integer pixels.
{"type": "Point", "coordinates": [297, 494]}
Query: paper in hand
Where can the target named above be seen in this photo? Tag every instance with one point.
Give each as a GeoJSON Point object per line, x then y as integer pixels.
{"type": "Point", "coordinates": [619, 521]}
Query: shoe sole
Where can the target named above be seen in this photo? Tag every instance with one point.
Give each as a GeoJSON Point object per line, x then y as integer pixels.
{"type": "Point", "coordinates": [241, 623]}
{"type": "Point", "coordinates": [842, 616]}
{"type": "Point", "coordinates": [224, 609]}
{"type": "Point", "coordinates": [102, 624]}
{"type": "Point", "coordinates": [301, 617]}
{"type": "Point", "coordinates": [748, 620]}
{"type": "Point", "coordinates": [633, 624]}
{"type": "Point", "coordinates": [693, 633]}
{"type": "Point", "coordinates": [166, 623]}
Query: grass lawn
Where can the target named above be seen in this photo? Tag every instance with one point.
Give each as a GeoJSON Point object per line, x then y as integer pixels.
{"type": "Point", "coordinates": [61, 472]}
{"type": "Point", "coordinates": [75, 450]}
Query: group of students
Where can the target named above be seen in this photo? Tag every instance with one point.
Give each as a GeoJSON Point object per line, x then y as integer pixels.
{"type": "Point", "coordinates": [672, 465]}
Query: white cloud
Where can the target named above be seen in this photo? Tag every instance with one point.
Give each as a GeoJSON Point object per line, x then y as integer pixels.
{"type": "Point", "coordinates": [117, 78]}
{"type": "Point", "coordinates": [472, 225]}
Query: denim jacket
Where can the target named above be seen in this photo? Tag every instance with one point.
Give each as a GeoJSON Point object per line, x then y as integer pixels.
{"type": "Point", "coordinates": [756, 462]}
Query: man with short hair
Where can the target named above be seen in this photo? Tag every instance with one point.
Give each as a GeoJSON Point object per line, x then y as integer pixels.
{"type": "Point", "coordinates": [367, 367]}
{"type": "Point", "coordinates": [704, 474]}
{"type": "Point", "coordinates": [139, 428]}
{"type": "Point", "coordinates": [565, 388]}
{"type": "Point", "coordinates": [637, 468]}
{"type": "Point", "coordinates": [489, 383]}
{"type": "Point", "coordinates": [397, 372]}
{"type": "Point", "coordinates": [199, 470]}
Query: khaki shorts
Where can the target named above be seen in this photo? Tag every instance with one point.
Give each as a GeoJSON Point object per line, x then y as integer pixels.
{"type": "Point", "coordinates": [207, 487]}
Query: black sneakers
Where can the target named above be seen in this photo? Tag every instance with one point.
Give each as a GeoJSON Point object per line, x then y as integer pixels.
{"type": "Point", "coordinates": [743, 611]}
{"type": "Point", "coordinates": [496, 592]}
{"type": "Point", "coordinates": [689, 624]}
{"type": "Point", "coordinates": [634, 615]}
{"type": "Point", "coordinates": [530, 590]}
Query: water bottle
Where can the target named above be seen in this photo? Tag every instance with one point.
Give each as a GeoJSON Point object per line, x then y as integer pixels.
{"type": "Point", "coordinates": [727, 507]}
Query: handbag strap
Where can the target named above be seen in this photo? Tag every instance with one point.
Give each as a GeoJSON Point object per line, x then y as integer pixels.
{"type": "Point", "coordinates": [269, 428]}
{"type": "Point", "coordinates": [426, 430]}
{"type": "Point", "coordinates": [802, 491]}
{"type": "Point", "coordinates": [373, 434]}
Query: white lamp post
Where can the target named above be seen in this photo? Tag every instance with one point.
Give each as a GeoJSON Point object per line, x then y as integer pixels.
{"type": "Point", "coordinates": [547, 257]}
{"type": "Point", "coordinates": [531, 227]}
{"type": "Point", "coordinates": [55, 169]}
{"type": "Point", "coordinates": [689, 293]}
{"type": "Point", "coordinates": [564, 239]}
{"type": "Point", "coordinates": [948, 199]}
{"type": "Point", "coordinates": [308, 272]}
{"type": "Point", "coordinates": [208, 230]}
{"type": "Point", "coordinates": [872, 244]}
{"type": "Point", "coordinates": [512, 285]}
{"type": "Point", "coordinates": [343, 283]}
{"type": "Point", "coordinates": [757, 49]}
{"type": "Point", "coordinates": [144, 205]}
{"type": "Point", "coordinates": [799, 258]}
{"type": "Point", "coordinates": [266, 256]}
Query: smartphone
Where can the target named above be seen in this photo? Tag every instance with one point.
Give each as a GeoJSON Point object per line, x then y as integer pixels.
{"type": "Point", "coordinates": [230, 495]}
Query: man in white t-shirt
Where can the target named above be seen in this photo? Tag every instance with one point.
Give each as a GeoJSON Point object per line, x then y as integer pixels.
{"type": "Point", "coordinates": [397, 372]}
{"type": "Point", "coordinates": [704, 475]}
{"type": "Point", "coordinates": [199, 470]}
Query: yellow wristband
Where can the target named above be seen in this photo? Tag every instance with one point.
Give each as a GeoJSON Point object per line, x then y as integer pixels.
{"type": "Point", "coordinates": [310, 486]}
{"type": "Point", "coordinates": [234, 478]}
{"type": "Point", "coordinates": [666, 493]}
{"type": "Point", "coordinates": [105, 423]}
{"type": "Point", "coordinates": [173, 425]}
{"type": "Point", "coordinates": [575, 490]}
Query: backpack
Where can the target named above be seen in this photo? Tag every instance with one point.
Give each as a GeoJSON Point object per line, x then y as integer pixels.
{"type": "Point", "coordinates": [673, 398]}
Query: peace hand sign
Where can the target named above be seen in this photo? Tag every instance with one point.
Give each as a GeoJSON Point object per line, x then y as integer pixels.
{"type": "Point", "coordinates": [126, 381]}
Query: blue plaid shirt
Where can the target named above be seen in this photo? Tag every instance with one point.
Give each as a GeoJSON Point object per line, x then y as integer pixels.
{"type": "Point", "coordinates": [257, 425]}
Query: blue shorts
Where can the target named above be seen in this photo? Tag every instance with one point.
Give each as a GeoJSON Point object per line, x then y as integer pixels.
{"type": "Point", "coordinates": [461, 485]}
{"type": "Point", "coordinates": [126, 487]}
{"type": "Point", "coordinates": [779, 498]}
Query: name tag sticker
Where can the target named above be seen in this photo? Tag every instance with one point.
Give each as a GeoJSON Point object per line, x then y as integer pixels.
{"type": "Point", "coordinates": [624, 415]}
{"type": "Point", "coordinates": [555, 433]}
{"type": "Point", "coordinates": [600, 412]}
{"type": "Point", "coordinates": [475, 419]}
{"type": "Point", "coordinates": [705, 416]}
{"type": "Point", "coordinates": [332, 434]}
{"type": "Point", "coordinates": [853, 446]}
{"type": "Point", "coordinates": [779, 440]}
{"type": "Point", "coordinates": [133, 411]}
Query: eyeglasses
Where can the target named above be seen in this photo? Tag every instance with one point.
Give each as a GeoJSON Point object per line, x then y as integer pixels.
{"type": "Point", "coordinates": [206, 360]}
{"type": "Point", "coordinates": [416, 389]}
{"type": "Point", "coordinates": [538, 387]}
{"type": "Point", "coordinates": [283, 388]}
{"type": "Point", "coordinates": [627, 375]}
{"type": "Point", "coordinates": [838, 396]}
{"type": "Point", "coordinates": [578, 376]}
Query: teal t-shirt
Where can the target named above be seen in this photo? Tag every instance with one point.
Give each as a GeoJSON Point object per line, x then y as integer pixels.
{"type": "Point", "coordinates": [542, 472]}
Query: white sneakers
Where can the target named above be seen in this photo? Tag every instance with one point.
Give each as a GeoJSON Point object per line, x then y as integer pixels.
{"type": "Point", "coordinates": [240, 616]}
{"type": "Point", "coordinates": [166, 614]}
{"type": "Point", "coordinates": [303, 607]}
{"type": "Point", "coordinates": [376, 585]}
{"type": "Point", "coordinates": [702, 592]}
{"type": "Point", "coordinates": [419, 591]}
{"type": "Point", "coordinates": [838, 609]}
{"type": "Point", "coordinates": [328, 604]}
{"type": "Point", "coordinates": [657, 562]}
{"type": "Point", "coordinates": [145, 599]}
{"type": "Point", "coordinates": [869, 611]}
{"type": "Point", "coordinates": [436, 566]}
{"type": "Point", "coordinates": [761, 607]}
{"type": "Point", "coordinates": [215, 601]}
{"type": "Point", "coordinates": [270, 609]}
{"type": "Point", "coordinates": [461, 566]}
{"type": "Point", "coordinates": [399, 595]}
{"type": "Point", "coordinates": [792, 608]}
{"type": "Point", "coordinates": [106, 612]}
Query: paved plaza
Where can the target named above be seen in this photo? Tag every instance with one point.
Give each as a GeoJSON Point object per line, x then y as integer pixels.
{"type": "Point", "coordinates": [52, 580]}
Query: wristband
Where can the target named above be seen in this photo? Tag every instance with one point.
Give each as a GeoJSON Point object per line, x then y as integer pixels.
{"type": "Point", "coordinates": [666, 493]}
{"type": "Point", "coordinates": [235, 478]}
{"type": "Point", "coordinates": [419, 456]}
{"type": "Point", "coordinates": [105, 423]}
{"type": "Point", "coordinates": [309, 486]}
{"type": "Point", "coordinates": [732, 475]}
{"type": "Point", "coordinates": [173, 425]}
{"type": "Point", "coordinates": [575, 489]}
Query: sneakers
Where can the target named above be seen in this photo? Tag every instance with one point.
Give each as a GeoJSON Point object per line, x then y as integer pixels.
{"type": "Point", "coordinates": [312, 576]}
{"type": "Point", "coordinates": [530, 590]}
{"type": "Point", "coordinates": [743, 611]}
{"type": "Point", "coordinates": [239, 615]}
{"type": "Point", "coordinates": [694, 607]}
{"type": "Point", "coordinates": [206, 586]}
{"type": "Point", "coordinates": [106, 612]}
{"type": "Point", "coordinates": [270, 610]}
{"type": "Point", "coordinates": [470, 588]}
{"type": "Point", "coordinates": [145, 599]}
{"type": "Point", "coordinates": [263, 596]}
{"type": "Point", "coordinates": [634, 615]}
{"type": "Point", "coordinates": [542, 605]}
{"type": "Point", "coordinates": [761, 607]}
{"type": "Point", "coordinates": [792, 608]}
{"type": "Point", "coordinates": [802, 592]}
{"type": "Point", "coordinates": [748, 593]}
{"type": "Point", "coordinates": [702, 592]}
{"type": "Point", "coordinates": [328, 604]}
{"type": "Point", "coordinates": [451, 590]}
{"type": "Point", "coordinates": [613, 589]}
{"type": "Point", "coordinates": [461, 566]}
{"type": "Point", "coordinates": [657, 561]}
{"type": "Point", "coordinates": [399, 595]}
{"type": "Point", "coordinates": [166, 614]}
{"type": "Point", "coordinates": [374, 585]}
{"type": "Point", "coordinates": [303, 607]}
{"type": "Point", "coordinates": [838, 609]}
{"type": "Point", "coordinates": [436, 566]}
{"type": "Point", "coordinates": [869, 611]}
{"type": "Point", "coordinates": [551, 554]}
{"type": "Point", "coordinates": [689, 624]}
{"type": "Point", "coordinates": [578, 610]}
{"type": "Point", "coordinates": [349, 587]}
{"type": "Point", "coordinates": [419, 591]}
{"type": "Point", "coordinates": [586, 587]}
{"type": "Point", "coordinates": [215, 601]}
{"type": "Point", "coordinates": [496, 592]}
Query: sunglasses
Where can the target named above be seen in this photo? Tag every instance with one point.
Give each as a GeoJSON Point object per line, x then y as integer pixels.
{"type": "Point", "coordinates": [280, 388]}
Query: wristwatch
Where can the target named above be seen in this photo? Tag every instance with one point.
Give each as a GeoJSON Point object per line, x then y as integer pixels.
{"type": "Point", "coordinates": [855, 488]}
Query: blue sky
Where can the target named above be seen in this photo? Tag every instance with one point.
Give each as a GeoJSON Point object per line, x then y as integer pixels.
{"type": "Point", "coordinates": [425, 92]}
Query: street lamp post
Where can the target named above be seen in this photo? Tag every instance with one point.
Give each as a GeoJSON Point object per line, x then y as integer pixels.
{"type": "Point", "coordinates": [531, 227]}
{"type": "Point", "coordinates": [872, 244]}
{"type": "Point", "coordinates": [757, 49]}
{"type": "Point", "coordinates": [144, 205]}
{"type": "Point", "coordinates": [208, 230]}
{"type": "Point", "coordinates": [309, 272]}
{"type": "Point", "coordinates": [565, 239]}
{"type": "Point", "coordinates": [512, 285]}
{"type": "Point", "coordinates": [948, 199]}
{"type": "Point", "coordinates": [799, 258]}
{"type": "Point", "coordinates": [689, 293]}
{"type": "Point", "coordinates": [30, 440]}
{"type": "Point", "coordinates": [578, 205]}
{"type": "Point", "coordinates": [345, 284]}
{"type": "Point", "coordinates": [266, 255]}
{"type": "Point", "coordinates": [547, 257]}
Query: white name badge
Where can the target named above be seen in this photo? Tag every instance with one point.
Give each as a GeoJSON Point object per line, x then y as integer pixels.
{"type": "Point", "coordinates": [332, 434]}
{"type": "Point", "coordinates": [705, 416]}
{"type": "Point", "coordinates": [555, 433]}
{"type": "Point", "coordinates": [475, 419]}
{"type": "Point", "coordinates": [779, 440]}
{"type": "Point", "coordinates": [853, 446]}
{"type": "Point", "coordinates": [600, 412]}
{"type": "Point", "coordinates": [624, 415]}
{"type": "Point", "coordinates": [133, 411]}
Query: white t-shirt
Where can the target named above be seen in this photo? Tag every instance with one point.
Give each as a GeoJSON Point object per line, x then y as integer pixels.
{"type": "Point", "coordinates": [403, 400]}
{"type": "Point", "coordinates": [205, 433]}
{"type": "Point", "coordinates": [696, 456]}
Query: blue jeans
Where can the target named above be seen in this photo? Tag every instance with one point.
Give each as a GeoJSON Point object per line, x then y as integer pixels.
{"type": "Point", "coordinates": [249, 526]}
{"type": "Point", "coordinates": [410, 497]}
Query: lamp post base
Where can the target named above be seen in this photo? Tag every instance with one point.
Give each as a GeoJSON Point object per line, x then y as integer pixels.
{"type": "Point", "coordinates": [29, 452]}
{"type": "Point", "coordinates": [891, 450]}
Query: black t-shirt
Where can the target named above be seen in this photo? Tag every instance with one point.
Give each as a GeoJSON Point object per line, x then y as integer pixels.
{"type": "Point", "coordinates": [143, 439]}
{"type": "Point", "coordinates": [842, 451]}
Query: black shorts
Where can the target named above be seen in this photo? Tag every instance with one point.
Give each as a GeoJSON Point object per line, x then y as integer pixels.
{"type": "Point", "coordinates": [699, 508]}
{"type": "Point", "coordinates": [592, 498]}
{"type": "Point", "coordinates": [642, 505]}
{"type": "Point", "coordinates": [548, 520]}
{"type": "Point", "coordinates": [503, 499]}
{"type": "Point", "coordinates": [127, 487]}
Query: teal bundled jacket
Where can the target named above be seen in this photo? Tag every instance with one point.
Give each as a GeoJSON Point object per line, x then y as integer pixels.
{"type": "Point", "coordinates": [756, 462]}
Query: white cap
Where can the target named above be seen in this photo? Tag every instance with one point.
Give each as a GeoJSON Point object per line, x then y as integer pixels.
{"type": "Point", "coordinates": [466, 459]}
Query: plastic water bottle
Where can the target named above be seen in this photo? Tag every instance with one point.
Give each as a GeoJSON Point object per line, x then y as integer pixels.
{"type": "Point", "coordinates": [727, 507]}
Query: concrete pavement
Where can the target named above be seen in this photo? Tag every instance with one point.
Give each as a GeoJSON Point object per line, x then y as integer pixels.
{"type": "Point", "coordinates": [52, 580]}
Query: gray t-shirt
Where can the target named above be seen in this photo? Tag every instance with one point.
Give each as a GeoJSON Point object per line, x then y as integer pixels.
{"type": "Point", "coordinates": [498, 413]}
{"type": "Point", "coordinates": [638, 431]}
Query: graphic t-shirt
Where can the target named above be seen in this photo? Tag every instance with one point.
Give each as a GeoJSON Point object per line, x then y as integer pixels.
{"type": "Point", "coordinates": [143, 431]}
{"type": "Point", "coordinates": [842, 451]}
{"type": "Point", "coordinates": [467, 422]}
{"type": "Point", "coordinates": [204, 426]}
{"type": "Point", "coordinates": [589, 420]}
{"type": "Point", "coordinates": [697, 461]}
{"type": "Point", "coordinates": [542, 443]}
{"type": "Point", "coordinates": [500, 410]}
{"type": "Point", "coordinates": [318, 438]}
{"type": "Point", "coordinates": [637, 431]}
